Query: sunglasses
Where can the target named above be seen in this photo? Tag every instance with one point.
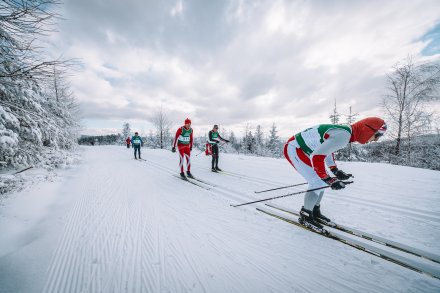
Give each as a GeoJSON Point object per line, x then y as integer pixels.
{"type": "Point", "coordinates": [378, 132]}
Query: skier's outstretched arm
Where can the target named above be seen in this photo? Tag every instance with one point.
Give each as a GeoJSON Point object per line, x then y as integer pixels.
{"type": "Point", "coordinates": [222, 139]}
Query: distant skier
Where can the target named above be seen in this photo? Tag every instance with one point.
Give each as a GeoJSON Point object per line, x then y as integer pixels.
{"type": "Point", "coordinates": [214, 139]}
{"type": "Point", "coordinates": [184, 141]}
{"type": "Point", "coordinates": [312, 149]}
{"type": "Point", "coordinates": [128, 141]}
{"type": "Point", "coordinates": [136, 142]}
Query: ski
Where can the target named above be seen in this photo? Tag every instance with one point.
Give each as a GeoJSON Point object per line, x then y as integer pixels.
{"type": "Point", "coordinates": [362, 246]}
{"type": "Point", "coordinates": [192, 182]}
{"type": "Point", "coordinates": [399, 246]}
{"type": "Point", "coordinates": [202, 181]}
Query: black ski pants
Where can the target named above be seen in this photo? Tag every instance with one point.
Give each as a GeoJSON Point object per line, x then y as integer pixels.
{"type": "Point", "coordinates": [215, 152]}
{"type": "Point", "coordinates": [138, 149]}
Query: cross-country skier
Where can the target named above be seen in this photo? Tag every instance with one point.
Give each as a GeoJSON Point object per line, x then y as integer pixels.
{"type": "Point", "coordinates": [214, 139]}
{"type": "Point", "coordinates": [136, 142]}
{"type": "Point", "coordinates": [184, 141]}
{"type": "Point", "coordinates": [128, 141]}
{"type": "Point", "coordinates": [312, 149]}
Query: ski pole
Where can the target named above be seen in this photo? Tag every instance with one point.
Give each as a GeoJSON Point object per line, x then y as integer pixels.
{"type": "Point", "coordinates": [200, 152]}
{"type": "Point", "coordinates": [289, 194]}
{"type": "Point", "coordinates": [261, 191]}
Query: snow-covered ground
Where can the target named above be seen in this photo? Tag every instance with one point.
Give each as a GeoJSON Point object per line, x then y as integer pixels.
{"type": "Point", "coordinates": [113, 224]}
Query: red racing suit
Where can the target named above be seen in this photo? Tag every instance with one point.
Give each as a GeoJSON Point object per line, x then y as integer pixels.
{"type": "Point", "coordinates": [184, 142]}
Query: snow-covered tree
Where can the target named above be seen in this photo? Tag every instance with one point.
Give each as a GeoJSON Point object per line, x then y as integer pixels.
{"type": "Point", "coordinates": [411, 89]}
{"type": "Point", "coordinates": [350, 119]}
{"type": "Point", "coordinates": [126, 131]}
{"type": "Point", "coordinates": [38, 113]}
{"type": "Point", "coordinates": [273, 143]}
{"type": "Point", "coordinates": [259, 140]}
{"type": "Point", "coordinates": [21, 24]}
{"type": "Point", "coordinates": [248, 142]}
{"type": "Point", "coordinates": [335, 116]}
{"type": "Point", "coordinates": [162, 125]}
{"type": "Point", "coordinates": [233, 142]}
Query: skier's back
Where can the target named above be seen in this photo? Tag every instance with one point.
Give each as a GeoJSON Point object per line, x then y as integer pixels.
{"type": "Point", "coordinates": [309, 152]}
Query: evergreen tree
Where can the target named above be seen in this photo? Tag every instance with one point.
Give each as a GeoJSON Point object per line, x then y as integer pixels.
{"type": "Point", "coordinates": [274, 143]}
{"type": "Point", "coordinates": [351, 118]}
{"type": "Point", "coordinates": [151, 139]}
{"type": "Point", "coordinates": [248, 141]}
{"type": "Point", "coordinates": [335, 116]}
{"type": "Point", "coordinates": [233, 141]}
{"type": "Point", "coordinates": [126, 131]}
{"type": "Point", "coordinates": [259, 140]}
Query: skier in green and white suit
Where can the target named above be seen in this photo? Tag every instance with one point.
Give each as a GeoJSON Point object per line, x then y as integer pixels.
{"type": "Point", "coordinates": [214, 139]}
{"type": "Point", "coordinates": [309, 152]}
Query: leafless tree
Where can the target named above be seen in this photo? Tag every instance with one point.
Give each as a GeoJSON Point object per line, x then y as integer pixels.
{"type": "Point", "coordinates": [22, 24]}
{"type": "Point", "coordinates": [411, 89]}
{"type": "Point", "coordinates": [162, 125]}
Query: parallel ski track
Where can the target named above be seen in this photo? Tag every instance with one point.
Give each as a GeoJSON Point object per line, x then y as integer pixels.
{"type": "Point", "coordinates": [386, 255]}
{"type": "Point", "coordinates": [106, 245]}
{"type": "Point", "coordinates": [399, 246]}
{"type": "Point", "coordinates": [214, 188]}
{"type": "Point", "coordinates": [192, 182]}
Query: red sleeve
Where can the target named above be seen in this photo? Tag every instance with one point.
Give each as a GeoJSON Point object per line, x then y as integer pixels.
{"type": "Point", "coordinates": [178, 133]}
{"type": "Point", "coordinates": [319, 166]}
{"type": "Point", "coordinates": [191, 139]}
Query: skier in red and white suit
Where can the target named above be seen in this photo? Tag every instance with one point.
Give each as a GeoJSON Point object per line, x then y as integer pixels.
{"type": "Point", "coordinates": [184, 141]}
{"type": "Point", "coordinates": [312, 149]}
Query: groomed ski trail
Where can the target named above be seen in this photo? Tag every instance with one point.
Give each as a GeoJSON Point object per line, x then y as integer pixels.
{"type": "Point", "coordinates": [134, 228]}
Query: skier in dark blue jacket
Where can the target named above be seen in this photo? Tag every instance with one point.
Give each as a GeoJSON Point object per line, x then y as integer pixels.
{"type": "Point", "coordinates": [136, 143]}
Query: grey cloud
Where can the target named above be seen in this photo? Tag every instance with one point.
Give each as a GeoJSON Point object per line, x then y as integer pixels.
{"type": "Point", "coordinates": [211, 38]}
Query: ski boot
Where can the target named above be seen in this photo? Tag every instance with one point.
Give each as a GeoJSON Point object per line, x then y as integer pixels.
{"type": "Point", "coordinates": [189, 175]}
{"type": "Point", "coordinates": [182, 175]}
{"type": "Point", "coordinates": [218, 169]}
{"type": "Point", "coordinates": [214, 170]}
{"type": "Point", "coordinates": [306, 218]}
{"type": "Point", "coordinates": [317, 214]}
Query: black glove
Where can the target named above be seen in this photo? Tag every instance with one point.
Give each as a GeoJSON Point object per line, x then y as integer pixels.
{"type": "Point", "coordinates": [190, 149]}
{"type": "Point", "coordinates": [173, 149]}
{"type": "Point", "coordinates": [334, 183]}
{"type": "Point", "coordinates": [341, 175]}
{"type": "Point", "coordinates": [227, 141]}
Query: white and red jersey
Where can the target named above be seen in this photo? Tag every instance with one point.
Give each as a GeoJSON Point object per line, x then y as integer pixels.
{"type": "Point", "coordinates": [184, 137]}
{"type": "Point", "coordinates": [316, 145]}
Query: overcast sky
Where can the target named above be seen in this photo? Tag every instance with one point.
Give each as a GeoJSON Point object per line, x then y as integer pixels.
{"type": "Point", "coordinates": [238, 62]}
